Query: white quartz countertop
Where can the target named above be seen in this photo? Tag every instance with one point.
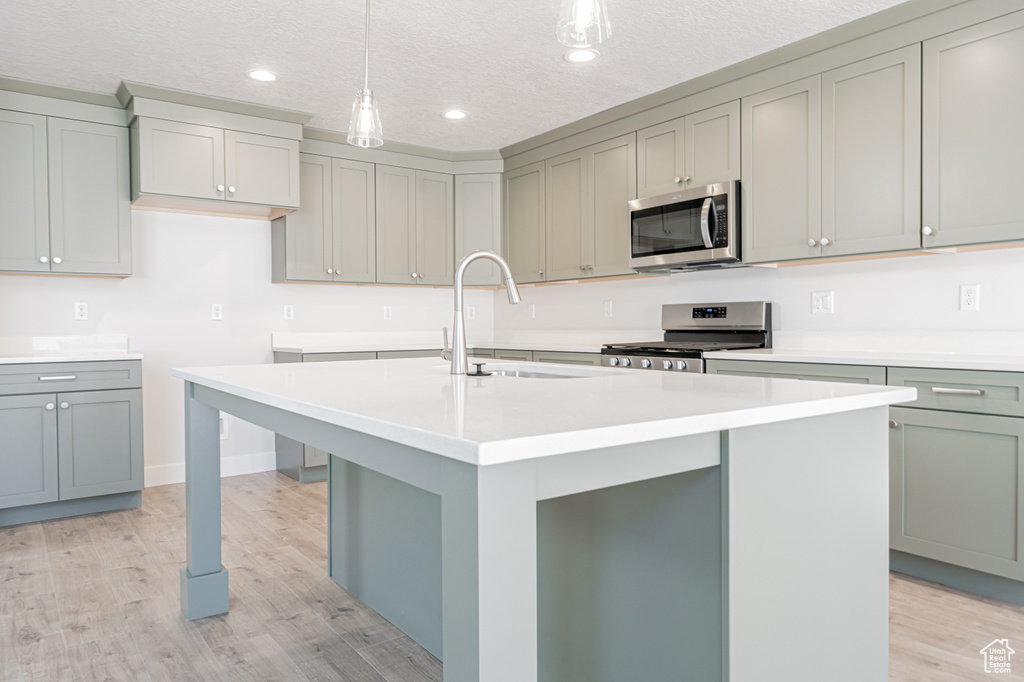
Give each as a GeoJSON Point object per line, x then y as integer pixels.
{"type": "Point", "coordinates": [365, 348]}
{"type": "Point", "coordinates": [34, 349]}
{"type": "Point", "coordinates": [944, 360]}
{"type": "Point", "coordinates": [496, 419]}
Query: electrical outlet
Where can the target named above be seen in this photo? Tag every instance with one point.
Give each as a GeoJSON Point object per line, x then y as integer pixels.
{"type": "Point", "coordinates": [224, 427]}
{"type": "Point", "coordinates": [82, 311]}
{"type": "Point", "coordinates": [607, 308]}
{"type": "Point", "coordinates": [387, 312]}
{"type": "Point", "coordinates": [217, 312]}
{"type": "Point", "coordinates": [289, 312]}
{"type": "Point", "coordinates": [823, 302]}
{"type": "Point", "coordinates": [471, 312]}
{"type": "Point", "coordinates": [970, 297]}
{"type": "Point", "coordinates": [531, 311]}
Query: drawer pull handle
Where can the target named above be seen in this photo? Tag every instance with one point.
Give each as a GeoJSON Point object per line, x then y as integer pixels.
{"type": "Point", "coordinates": [957, 391]}
{"type": "Point", "coordinates": [67, 377]}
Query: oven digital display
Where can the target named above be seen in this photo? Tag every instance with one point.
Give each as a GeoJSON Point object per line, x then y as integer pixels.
{"type": "Point", "coordinates": [700, 313]}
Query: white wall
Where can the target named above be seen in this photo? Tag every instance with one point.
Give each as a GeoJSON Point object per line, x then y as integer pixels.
{"type": "Point", "coordinates": [919, 293]}
{"type": "Point", "coordinates": [182, 264]}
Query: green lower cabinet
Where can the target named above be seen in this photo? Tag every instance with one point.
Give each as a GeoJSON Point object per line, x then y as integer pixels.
{"type": "Point", "coordinates": [99, 435]}
{"type": "Point", "coordinates": [28, 456]}
{"type": "Point", "coordinates": [851, 374]}
{"type": "Point", "coordinates": [956, 488]}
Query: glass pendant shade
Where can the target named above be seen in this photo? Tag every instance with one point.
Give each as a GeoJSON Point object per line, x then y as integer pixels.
{"type": "Point", "coordinates": [364, 127]}
{"type": "Point", "coordinates": [583, 23]}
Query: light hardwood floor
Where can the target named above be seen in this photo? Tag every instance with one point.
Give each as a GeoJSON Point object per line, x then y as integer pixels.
{"type": "Point", "coordinates": [96, 598]}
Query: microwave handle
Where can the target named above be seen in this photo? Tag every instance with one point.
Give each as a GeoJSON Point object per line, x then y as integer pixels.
{"type": "Point", "coordinates": [705, 228]}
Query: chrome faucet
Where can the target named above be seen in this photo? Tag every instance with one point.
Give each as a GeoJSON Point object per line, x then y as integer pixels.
{"type": "Point", "coordinates": [460, 364]}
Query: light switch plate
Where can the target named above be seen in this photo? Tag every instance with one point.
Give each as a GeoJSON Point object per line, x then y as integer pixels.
{"type": "Point", "coordinates": [823, 302]}
{"type": "Point", "coordinates": [607, 308]}
{"type": "Point", "coordinates": [531, 311]}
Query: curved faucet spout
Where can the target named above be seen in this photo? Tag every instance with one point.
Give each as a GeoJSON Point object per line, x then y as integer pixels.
{"type": "Point", "coordinates": [460, 364]}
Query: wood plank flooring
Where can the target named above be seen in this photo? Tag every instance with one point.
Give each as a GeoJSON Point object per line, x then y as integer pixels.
{"type": "Point", "coordinates": [96, 598]}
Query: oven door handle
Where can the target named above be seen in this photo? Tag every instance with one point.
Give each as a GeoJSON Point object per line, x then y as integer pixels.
{"type": "Point", "coordinates": [705, 228]}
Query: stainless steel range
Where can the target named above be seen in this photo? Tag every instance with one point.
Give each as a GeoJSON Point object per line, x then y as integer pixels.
{"type": "Point", "coordinates": [693, 329]}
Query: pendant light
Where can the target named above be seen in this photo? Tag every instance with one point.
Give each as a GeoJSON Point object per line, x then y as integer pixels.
{"type": "Point", "coordinates": [583, 23]}
{"type": "Point", "coordinates": [364, 127]}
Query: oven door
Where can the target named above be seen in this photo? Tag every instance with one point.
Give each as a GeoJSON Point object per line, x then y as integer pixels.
{"type": "Point", "coordinates": [692, 227]}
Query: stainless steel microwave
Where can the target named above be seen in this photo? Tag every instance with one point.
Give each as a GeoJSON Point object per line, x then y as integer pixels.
{"type": "Point", "coordinates": [690, 229]}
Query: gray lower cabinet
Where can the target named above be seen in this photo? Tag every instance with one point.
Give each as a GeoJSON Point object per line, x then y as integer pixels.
{"type": "Point", "coordinates": [65, 187]}
{"type": "Point", "coordinates": [567, 358]}
{"type": "Point", "coordinates": [517, 355]}
{"type": "Point", "coordinates": [69, 451]}
{"type": "Point", "coordinates": [955, 489]}
{"type": "Point", "coordinates": [851, 374]}
{"type": "Point", "coordinates": [973, 103]}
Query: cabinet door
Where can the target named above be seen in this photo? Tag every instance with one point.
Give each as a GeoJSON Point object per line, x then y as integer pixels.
{"type": "Point", "coordinates": [355, 221]}
{"type": "Point", "coordinates": [28, 457]}
{"type": "Point", "coordinates": [308, 237]}
{"type": "Point", "coordinates": [180, 159]}
{"type": "Point", "coordinates": [435, 228]}
{"type": "Point", "coordinates": [955, 492]}
{"type": "Point", "coordinates": [972, 134]}
{"type": "Point", "coordinates": [611, 170]}
{"type": "Point", "coordinates": [567, 358]}
{"type": "Point", "coordinates": [524, 222]}
{"type": "Point", "coordinates": [520, 355]}
{"type": "Point", "coordinates": [870, 155]}
{"type": "Point", "coordinates": [478, 224]}
{"type": "Point", "coordinates": [261, 169]}
{"type": "Point", "coordinates": [24, 223]}
{"type": "Point", "coordinates": [712, 145]}
{"type": "Point", "coordinates": [661, 158]}
{"type": "Point", "coordinates": [396, 225]}
{"type": "Point", "coordinates": [781, 160]}
{"type": "Point", "coordinates": [99, 435]}
{"type": "Point", "coordinates": [90, 198]}
{"type": "Point", "coordinates": [566, 194]}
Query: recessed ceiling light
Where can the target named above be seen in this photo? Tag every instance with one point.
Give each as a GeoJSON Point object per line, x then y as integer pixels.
{"type": "Point", "coordinates": [580, 56]}
{"type": "Point", "coordinates": [262, 75]}
{"type": "Point", "coordinates": [454, 114]}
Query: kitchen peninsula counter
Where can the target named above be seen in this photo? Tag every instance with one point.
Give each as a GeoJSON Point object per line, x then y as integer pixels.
{"type": "Point", "coordinates": [613, 523]}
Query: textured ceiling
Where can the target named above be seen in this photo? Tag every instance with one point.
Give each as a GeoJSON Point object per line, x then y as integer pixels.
{"type": "Point", "coordinates": [497, 60]}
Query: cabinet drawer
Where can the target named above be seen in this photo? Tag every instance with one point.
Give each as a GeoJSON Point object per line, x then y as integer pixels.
{"type": "Point", "coordinates": [393, 354]}
{"type": "Point", "coordinates": [963, 390]}
{"type": "Point", "coordinates": [70, 376]}
{"type": "Point", "coordinates": [333, 357]}
{"type": "Point", "coordinates": [519, 355]}
{"type": "Point", "coordinates": [852, 374]}
{"type": "Point", "coordinates": [567, 358]}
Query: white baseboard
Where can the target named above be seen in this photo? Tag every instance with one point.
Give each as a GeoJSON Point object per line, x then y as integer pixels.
{"type": "Point", "coordinates": [166, 474]}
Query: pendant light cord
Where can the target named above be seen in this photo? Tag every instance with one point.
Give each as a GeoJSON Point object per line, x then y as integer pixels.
{"type": "Point", "coordinates": [366, 75]}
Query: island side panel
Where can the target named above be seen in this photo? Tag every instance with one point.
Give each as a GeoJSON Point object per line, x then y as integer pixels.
{"type": "Point", "coordinates": [204, 582]}
{"type": "Point", "coordinates": [806, 526]}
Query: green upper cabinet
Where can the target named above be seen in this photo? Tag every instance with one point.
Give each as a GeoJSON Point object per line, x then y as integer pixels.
{"type": "Point", "coordinates": [973, 104]}
{"type": "Point", "coordinates": [331, 238]}
{"type": "Point", "coordinates": [354, 220]}
{"type": "Point", "coordinates": [524, 235]}
{"type": "Point", "coordinates": [202, 162]}
{"type": "Point", "coordinates": [702, 148]}
{"type": "Point", "coordinates": [870, 152]}
{"type": "Point", "coordinates": [415, 226]}
{"type": "Point", "coordinates": [781, 162]}
{"type": "Point", "coordinates": [587, 216]}
{"type": "Point", "coordinates": [90, 209]}
{"type": "Point", "coordinates": [435, 228]}
{"type": "Point", "coordinates": [478, 224]}
{"type": "Point", "coordinates": [65, 191]}
{"type": "Point", "coordinates": [24, 221]}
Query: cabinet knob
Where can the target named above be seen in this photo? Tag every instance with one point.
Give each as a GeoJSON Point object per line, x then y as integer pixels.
{"type": "Point", "coordinates": [231, 189]}
{"type": "Point", "coordinates": [583, 267]}
{"type": "Point", "coordinates": [811, 242]}
{"type": "Point", "coordinates": [927, 231]}
{"type": "Point", "coordinates": [57, 260]}
{"type": "Point", "coordinates": [49, 406]}
{"type": "Point", "coordinates": [414, 275]}
{"type": "Point", "coordinates": [44, 259]}
{"type": "Point", "coordinates": [220, 188]}
{"type": "Point", "coordinates": [64, 406]}
{"type": "Point", "coordinates": [825, 241]}
{"type": "Point", "coordinates": [677, 179]}
{"type": "Point", "coordinates": [330, 271]}
{"type": "Point", "coordinates": [590, 267]}
{"type": "Point", "coordinates": [540, 273]}
{"type": "Point", "coordinates": [893, 424]}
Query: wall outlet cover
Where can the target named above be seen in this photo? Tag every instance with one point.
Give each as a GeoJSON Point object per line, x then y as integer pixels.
{"type": "Point", "coordinates": [970, 298]}
{"type": "Point", "coordinates": [531, 311]}
{"type": "Point", "coordinates": [289, 312]}
{"type": "Point", "coordinates": [471, 312]}
{"type": "Point", "coordinates": [217, 312]}
{"type": "Point", "coordinates": [823, 302]}
{"type": "Point", "coordinates": [387, 312]}
{"type": "Point", "coordinates": [81, 311]}
{"type": "Point", "coordinates": [607, 308]}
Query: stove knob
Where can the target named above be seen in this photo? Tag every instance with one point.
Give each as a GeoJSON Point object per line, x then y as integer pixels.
{"type": "Point", "coordinates": [680, 364]}
{"type": "Point", "coordinates": [625, 362]}
{"type": "Point", "coordinates": [613, 361]}
{"type": "Point", "coordinates": [645, 363]}
{"type": "Point", "coordinates": [666, 364]}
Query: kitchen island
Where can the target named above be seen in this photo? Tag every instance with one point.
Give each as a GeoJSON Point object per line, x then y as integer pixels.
{"type": "Point", "coordinates": [599, 524]}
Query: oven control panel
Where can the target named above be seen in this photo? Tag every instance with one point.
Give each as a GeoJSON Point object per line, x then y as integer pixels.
{"type": "Point", "coordinates": [707, 313]}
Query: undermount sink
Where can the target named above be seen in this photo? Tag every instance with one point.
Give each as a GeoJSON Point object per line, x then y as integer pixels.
{"type": "Point", "coordinates": [531, 371]}
{"type": "Point", "coordinates": [523, 374]}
